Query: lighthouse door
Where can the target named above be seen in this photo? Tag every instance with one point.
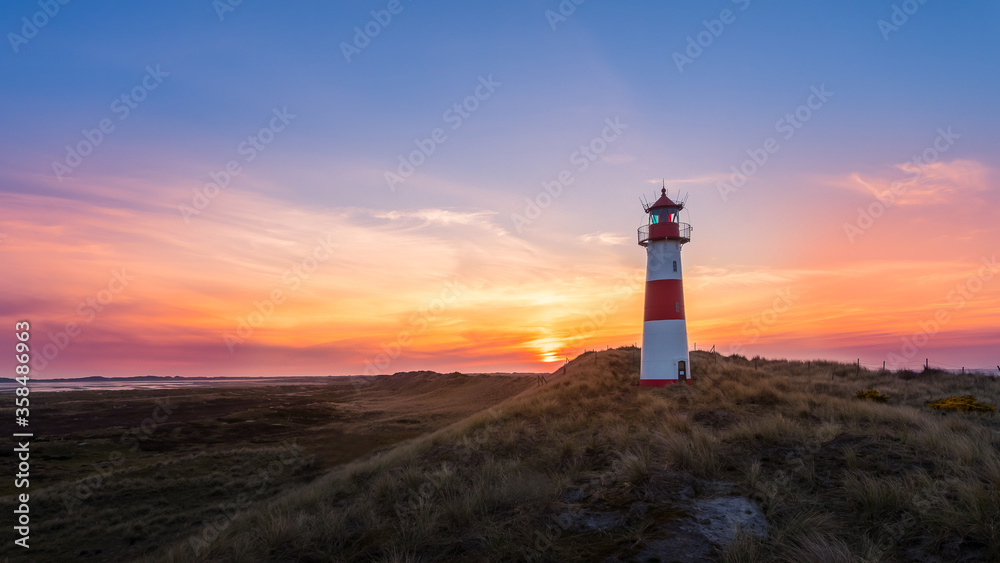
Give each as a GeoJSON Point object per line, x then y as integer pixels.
{"type": "Point", "coordinates": [682, 370]}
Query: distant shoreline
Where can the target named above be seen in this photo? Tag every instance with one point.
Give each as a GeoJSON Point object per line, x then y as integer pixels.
{"type": "Point", "coordinates": [141, 382]}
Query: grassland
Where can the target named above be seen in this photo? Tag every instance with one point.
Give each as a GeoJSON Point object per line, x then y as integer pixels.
{"type": "Point", "coordinates": [780, 463]}
{"type": "Point", "coordinates": [117, 475]}
{"type": "Point", "coordinates": [590, 467]}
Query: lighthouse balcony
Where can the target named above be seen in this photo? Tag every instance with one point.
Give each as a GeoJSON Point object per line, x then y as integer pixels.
{"type": "Point", "coordinates": [657, 231]}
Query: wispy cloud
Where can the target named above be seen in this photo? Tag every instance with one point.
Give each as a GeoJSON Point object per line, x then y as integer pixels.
{"type": "Point", "coordinates": [933, 184]}
{"type": "Point", "coordinates": [195, 281]}
{"type": "Point", "coordinates": [610, 239]}
{"type": "Point", "coordinates": [444, 217]}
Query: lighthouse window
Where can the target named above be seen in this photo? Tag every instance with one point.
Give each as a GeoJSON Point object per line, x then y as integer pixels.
{"type": "Point", "coordinates": [675, 265]}
{"type": "Point", "coordinates": [677, 306]}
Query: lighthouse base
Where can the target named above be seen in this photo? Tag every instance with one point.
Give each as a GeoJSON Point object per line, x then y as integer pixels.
{"type": "Point", "coordinates": [664, 353]}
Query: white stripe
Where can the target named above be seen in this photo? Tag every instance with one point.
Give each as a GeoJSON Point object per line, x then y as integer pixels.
{"type": "Point", "coordinates": [664, 343]}
{"type": "Point", "coordinates": [661, 255]}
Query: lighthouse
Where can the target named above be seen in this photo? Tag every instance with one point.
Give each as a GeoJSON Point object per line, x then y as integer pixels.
{"type": "Point", "coordinates": [664, 331]}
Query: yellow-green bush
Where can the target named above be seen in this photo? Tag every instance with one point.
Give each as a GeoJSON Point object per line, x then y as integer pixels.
{"type": "Point", "coordinates": [968, 403]}
{"type": "Point", "coordinates": [872, 395]}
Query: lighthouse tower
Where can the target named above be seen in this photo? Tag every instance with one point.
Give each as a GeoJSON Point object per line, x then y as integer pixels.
{"type": "Point", "coordinates": [664, 330]}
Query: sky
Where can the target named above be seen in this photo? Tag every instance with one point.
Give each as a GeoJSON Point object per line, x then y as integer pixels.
{"type": "Point", "coordinates": [223, 188]}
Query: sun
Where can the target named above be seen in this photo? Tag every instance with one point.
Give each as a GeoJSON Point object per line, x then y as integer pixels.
{"type": "Point", "coordinates": [549, 348]}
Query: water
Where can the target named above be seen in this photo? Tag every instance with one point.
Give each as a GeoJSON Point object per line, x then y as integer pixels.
{"type": "Point", "coordinates": [126, 384]}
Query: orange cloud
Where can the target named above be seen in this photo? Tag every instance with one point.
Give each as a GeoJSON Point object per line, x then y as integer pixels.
{"type": "Point", "coordinates": [924, 184]}
{"type": "Point", "coordinates": [254, 285]}
{"type": "Point", "coordinates": [252, 276]}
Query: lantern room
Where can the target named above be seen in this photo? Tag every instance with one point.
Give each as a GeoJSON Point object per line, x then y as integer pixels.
{"type": "Point", "coordinates": [664, 222]}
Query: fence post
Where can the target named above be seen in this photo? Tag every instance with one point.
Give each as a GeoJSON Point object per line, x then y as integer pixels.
{"type": "Point", "coordinates": [858, 372]}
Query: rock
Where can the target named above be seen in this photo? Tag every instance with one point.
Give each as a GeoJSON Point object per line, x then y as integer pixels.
{"type": "Point", "coordinates": [712, 526]}
{"type": "Point", "coordinates": [721, 518]}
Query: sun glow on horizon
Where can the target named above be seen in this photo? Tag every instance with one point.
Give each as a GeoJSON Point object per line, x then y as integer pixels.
{"type": "Point", "coordinates": [453, 199]}
{"type": "Point", "coordinates": [518, 307]}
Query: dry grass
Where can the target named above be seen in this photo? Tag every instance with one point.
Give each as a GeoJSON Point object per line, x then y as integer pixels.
{"type": "Point", "coordinates": [838, 479]}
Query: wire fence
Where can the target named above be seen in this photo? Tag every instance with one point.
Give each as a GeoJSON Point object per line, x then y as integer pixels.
{"type": "Point", "coordinates": [868, 365]}
{"type": "Point", "coordinates": [928, 364]}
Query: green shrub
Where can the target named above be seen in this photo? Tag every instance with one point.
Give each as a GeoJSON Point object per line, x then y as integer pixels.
{"type": "Point", "coordinates": [968, 403]}
{"type": "Point", "coordinates": [872, 395]}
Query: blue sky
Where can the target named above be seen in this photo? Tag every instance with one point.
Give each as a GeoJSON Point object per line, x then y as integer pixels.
{"type": "Point", "coordinates": [557, 87]}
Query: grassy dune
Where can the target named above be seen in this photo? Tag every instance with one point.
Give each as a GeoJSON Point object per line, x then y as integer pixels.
{"type": "Point", "coordinates": [102, 492]}
{"type": "Point", "coordinates": [591, 467]}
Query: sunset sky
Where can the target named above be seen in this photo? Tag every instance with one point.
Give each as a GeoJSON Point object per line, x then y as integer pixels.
{"type": "Point", "coordinates": [379, 211]}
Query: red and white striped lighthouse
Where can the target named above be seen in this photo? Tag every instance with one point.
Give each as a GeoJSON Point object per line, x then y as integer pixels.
{"type": "Point", "coordinates": [664, 330]}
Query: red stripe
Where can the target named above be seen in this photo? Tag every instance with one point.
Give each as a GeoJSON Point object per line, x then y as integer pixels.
{"type": "Point", "coordinates": [660, 382]}
{"type": "Point", "coordinates": [664, 300]}
{"type": "Point", "coordinates": [664, 230]}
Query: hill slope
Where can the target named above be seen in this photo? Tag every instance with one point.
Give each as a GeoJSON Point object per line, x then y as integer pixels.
{"type": "Point", "coordinates": [590, 467]}
{"type": "Point", "coordinates": [117, 474]}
